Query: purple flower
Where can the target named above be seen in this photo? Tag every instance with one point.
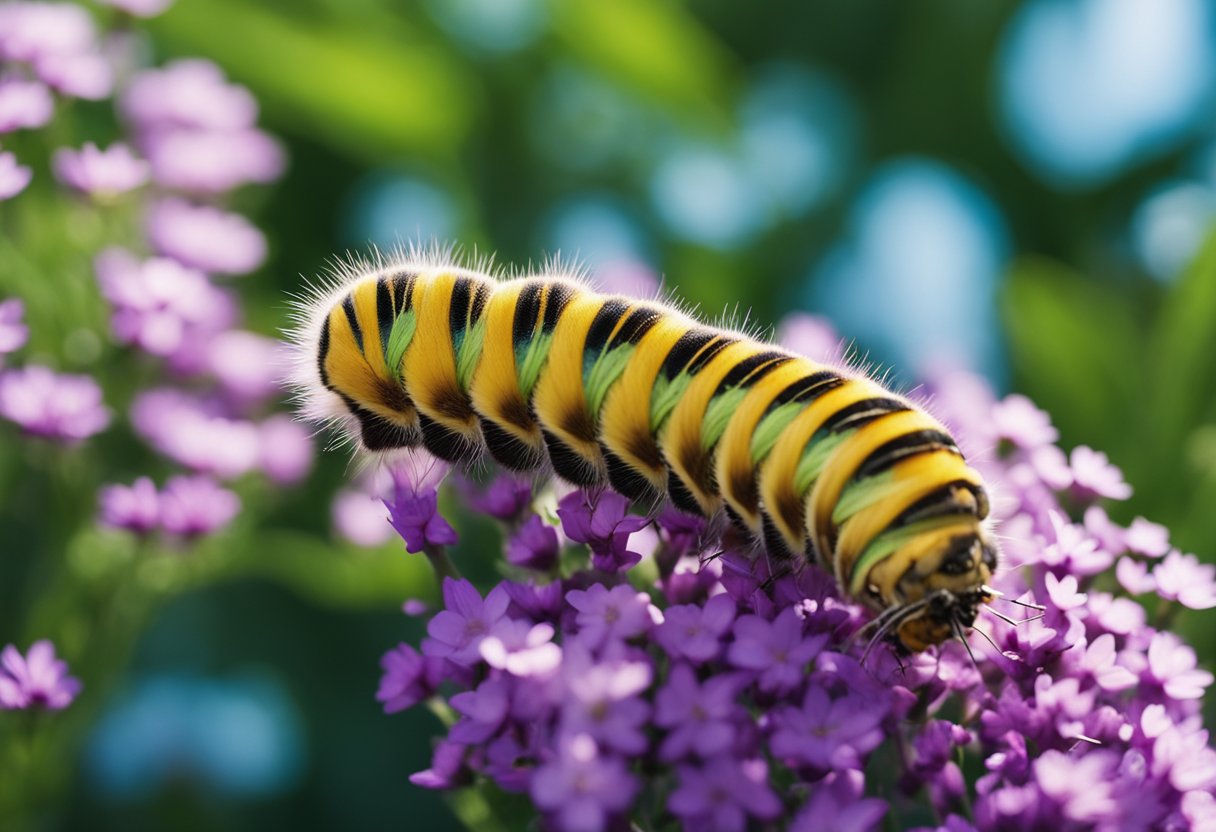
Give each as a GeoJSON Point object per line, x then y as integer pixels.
{"type": "Point", "coordinates": [534, 545]}
{"type": "Point", "coordinates": [205, 238]}
{"type": "Point", "coordinates": [483, 711]}
{"type": "Point", "coordinates": [504, 499]}
{"type": "Point", "coordinates": [447, 769]}
{"type": "Point", "coordinates": [212, 161]}
{"type": "Point", "coordinates": [605, 615]}
{"type": "Point", "coordinates": [836, 803]}
{"type": "Point", "coordinates": [192, 506]}
{"type": "Point", "coordinates": [1146, 538]}
{"type": "Point", "coordinates": [64, 408]}
{"type": "Point", "coordinates": [722, 794]}
{"type": "Point", "coordinates": [582, 790]}
{"type": "Point", "coordinates": [158, 304]}
{"type": "Point", "coordinates": [603, 701]}
{"type": "Point", "coordinates": [187, 93]}
{"type": "Point", "coordinates": [700, 718]}
{"type": "Point", "coordinates": [286, 450]}
{"type": "Point", "coordinates": [24, 104]}
{"type": "Point", "coordinates": [1099, 661]}
{"type": "Point", "coordinates": [1072, 550]}
{"type": "Point", "coordinates": [457, 631]}
{"type": "Point", "coordinates": [695, 632]}
{"type": "Point", "coordinates": [85, 75]}
{"type": "Point", "coordinates": [36, 680]}
{"type": "Point", "coordinates": [13, 332]}
{"type": "Point", "coordinates": [1171, 664]}
{"type": "Point", "coordinates": [604, 525]}
{"type": "Point", "coordinates": [1083, 785]}
{"type": "Point", "coordinates": [409, 677]}
{"type": "Point", "coordinates": [522, 648]}
{"type": "Point", "coordinates": [1184, 579]}
{"type": "Point", "coordinates": [776, 651]}
{"type": "Point", "coordinates": [102, 174]}
{"type": "Point", "coordinates": [191, 431]}
{"type": "Point", "coordinates": [248, 366]}
{"type": "Point", "coordinates": [1017, 420]}
{"type": "Point", "coordinates": [417, 519]}
{"type": "Point", "coordinates": [827, 733]}
{"type": "Point", "coordinates": [412, 500]}
{"type": "Point", "coordinates": [359, 518]}
{"type": "Point", "coordinates": [135, 507]}
{"type": "Point", "coordinates": [13, 177]}
{"type": "Point", "coordinates": [1094, 476]}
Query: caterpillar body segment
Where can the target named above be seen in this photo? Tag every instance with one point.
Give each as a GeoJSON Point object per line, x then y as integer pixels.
{"type": "Point", "coordinates": [811, 461]}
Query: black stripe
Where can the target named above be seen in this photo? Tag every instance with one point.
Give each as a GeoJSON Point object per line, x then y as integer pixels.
{"type": "Point", "coordinates": [403, 291]}
{"type": "Point", "coordinates": [639, 322]}
{"type": "Point", "coordinates": [568, 464]}
{"type": "Point", "coordinates": [939, 503]}
{"type": "Point", "coordinates": [376, 432]}
{"type": "Point", "coordinates": [323, 352]}
{"type": "Point", "coordinates": [480, 298]}
{"type": "Point", "coordinates": [602, 327]}
{"type": "Point", "coordinates": [750, 370]}
{"type": "Point", "coordinates": [706, 355]}
{"type": "Point", "coordinates": [458, 307]}
{"type": "Point", "coordinates": [625, 479]}
{"type": "Point", "coordinates": [556, 300]}
{"type": "Point", "coordinates": [809, 388]}
{"type": "Point", "coordinates": [684, 350]}
{"type": "Point", "coordinates": [348, 306]}
{"type": "Point", "coordinates": [527, 308]}
{"type": "Point", "coordinates": [443, 442]}
{"type": "Point", "coordinates": [385, 314]}
{"type": "Point", "coordinates": [859, 413]}
{"type": "Point", "coordinates": [681, 496]}
{"type": "Point", "coordinates": [774, 540]}
{"type": "Point", "coordinates": [508, 450]}
{"type": "Point", "coordinates": [902, 447]}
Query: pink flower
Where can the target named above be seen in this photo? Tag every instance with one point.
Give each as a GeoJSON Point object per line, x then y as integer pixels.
{"type": "Point", "coordinates": [195, 506]}
{"type": "Point", "coordinates": [103, 174]}
{"type": "Point", "coordinates": [286, 450]}
{"type": "Point", "coordinates": [213, 161]}
{"type": "Point", "coordinates": [35, 680]}
{"type": "Point", "coordinates": [187, 93]}
{"type": "Point", "coordinates": [24, 104]}
{"type": "Point", "coordinates": [13, 177]}
{"type": "Point", "coordinates": [206, 238]}
{"type": "Point", "coordinates": [64, 408]}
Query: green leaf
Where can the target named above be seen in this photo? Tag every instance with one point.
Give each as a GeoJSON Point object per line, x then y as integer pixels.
{"type": "Point", "coordinates": [375, 91]}
{"type": "Point", "coordinates": [1076, 349]}
{"type": "Point", "coordinates": [659, 49]}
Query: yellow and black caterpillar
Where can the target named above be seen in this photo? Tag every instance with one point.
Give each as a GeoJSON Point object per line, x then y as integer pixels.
{"type": "Point", "coordinates": [812, 461]}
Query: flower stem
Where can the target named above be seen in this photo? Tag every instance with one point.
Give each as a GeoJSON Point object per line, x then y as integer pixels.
{"type": "Point", "coordinates": [440, 562]}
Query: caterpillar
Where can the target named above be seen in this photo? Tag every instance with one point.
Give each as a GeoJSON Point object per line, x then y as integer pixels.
{"type": "Point", "coordinates": [811, 461]}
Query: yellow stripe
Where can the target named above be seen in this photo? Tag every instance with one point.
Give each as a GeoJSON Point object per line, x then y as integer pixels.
{"type": "Point", "coordinates": [559, 395]}
{"type": "Point", "coordinates": [777, 471]}
{"type": "Point", "coordinates": [625, 418]}
{"type": "Point", "coordinates": [733, 463]}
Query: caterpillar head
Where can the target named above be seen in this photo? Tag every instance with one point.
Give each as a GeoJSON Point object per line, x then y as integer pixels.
{"type": "Point", "coordinates": [946, 585]}
{"type": "Point", "coordinates": [931, 589]}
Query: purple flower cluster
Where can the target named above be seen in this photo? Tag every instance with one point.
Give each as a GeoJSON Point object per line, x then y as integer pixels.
{"type": "Point", "coordinates": [191, 139]}
{"type": "Point", "coordinates": [613, 682]}
{"type": "Point", "coordinates": [36, 680]}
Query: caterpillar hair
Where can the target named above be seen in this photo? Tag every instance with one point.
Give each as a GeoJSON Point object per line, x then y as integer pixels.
{"type": "Point", "coordinates": [811, 461]}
